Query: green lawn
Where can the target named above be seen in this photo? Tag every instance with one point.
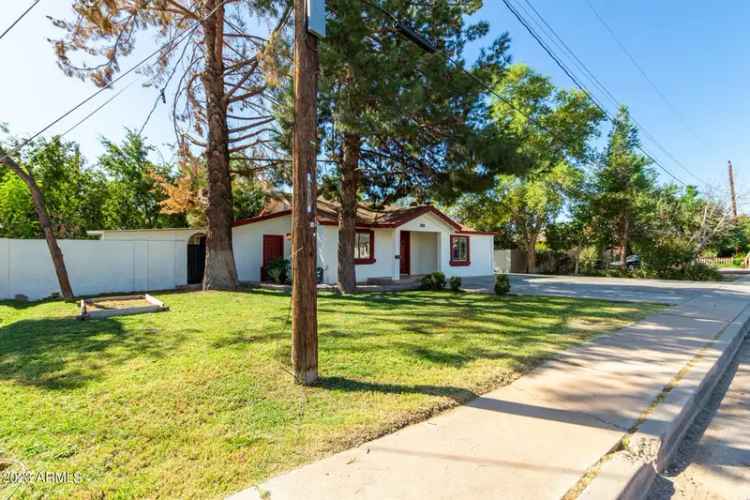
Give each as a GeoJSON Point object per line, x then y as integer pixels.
{"type": "Point", "coordinates": [197, 402]}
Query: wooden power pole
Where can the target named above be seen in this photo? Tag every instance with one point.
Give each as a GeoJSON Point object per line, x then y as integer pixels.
{"type": "Point", "coordinates": [731, 188]}
{"type": "Point", "coordinates": [304, 186]}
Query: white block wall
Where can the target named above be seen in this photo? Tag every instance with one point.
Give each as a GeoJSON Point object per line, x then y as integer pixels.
{"type": "Point", "coordinates": [94, 267]}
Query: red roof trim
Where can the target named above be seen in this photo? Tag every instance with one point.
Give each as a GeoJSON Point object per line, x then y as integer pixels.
{"type": "Point", "coordinates": [258, 218]}
{"type": "Point", "coordinates": [407, 217]}
{"type": "Point", "coordinates": [424, 210]}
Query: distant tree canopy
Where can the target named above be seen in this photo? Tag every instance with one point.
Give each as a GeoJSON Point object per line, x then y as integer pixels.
{"type": "Point", "coordinates": [553, 132]}
{"type": "Point", "coordinates": [74, 194]}
{"type": "Point", "coordinates": [122, 189]}
{"type": "Point", "coordinates": [134, 197]}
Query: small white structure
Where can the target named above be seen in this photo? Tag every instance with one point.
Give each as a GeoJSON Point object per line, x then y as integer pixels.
{"type": "Point", "coordinates": [391, 244]}
{"type": "Point", "coordinates": [156, 262]}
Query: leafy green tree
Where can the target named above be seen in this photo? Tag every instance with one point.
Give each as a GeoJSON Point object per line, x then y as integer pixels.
{"type": "Point", "coordinates": [623, 189]}
{"type": "Point", "coordinates": [134, 196]}
{"type": "Point", "coordinates": [17, 216]}
{"type": "Point", "coordinates": [73, 193]}
{"type": "Point", "coordinates": [525, 205]}
{"type": "Point", "coordinates": [680, 224]}
{"type": "Point", "coordinates": [736, 240]}
{"type": "Point", "coordinates": [248, 198]}
{"type": "Point", "coordinates": [553, 128]}
{"type": "Point", "coordinates": [61, 191]}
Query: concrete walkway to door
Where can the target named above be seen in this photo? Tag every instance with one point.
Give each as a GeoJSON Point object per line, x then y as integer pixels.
{"type": "Point", "coordinates": [535, 438]}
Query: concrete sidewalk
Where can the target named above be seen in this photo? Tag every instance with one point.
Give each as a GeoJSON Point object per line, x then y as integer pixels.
{"type": "Point", "coordinates": [535, 438]}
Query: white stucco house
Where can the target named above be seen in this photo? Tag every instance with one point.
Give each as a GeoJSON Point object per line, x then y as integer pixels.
{"type": "Point", "coordinates": [391, 244]}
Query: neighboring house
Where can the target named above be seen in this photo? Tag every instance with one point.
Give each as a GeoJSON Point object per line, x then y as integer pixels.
{"type": "Point", "coordinates": [390, 244]}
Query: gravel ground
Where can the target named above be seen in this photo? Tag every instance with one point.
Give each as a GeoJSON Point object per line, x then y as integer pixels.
{"type": "Point", "coordinates": [713, 461]}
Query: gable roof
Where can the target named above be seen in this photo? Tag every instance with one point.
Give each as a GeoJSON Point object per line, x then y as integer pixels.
{"type": "Point", "coordinates": [328, 215]}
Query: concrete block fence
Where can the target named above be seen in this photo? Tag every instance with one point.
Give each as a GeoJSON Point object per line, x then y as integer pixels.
{"type": "Point", "coordinates": [94, 267]}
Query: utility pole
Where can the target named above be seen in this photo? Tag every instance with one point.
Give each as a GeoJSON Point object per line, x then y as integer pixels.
{"type": "Point", "coordinates": [734, 194]}
{"type": "Point", "coordinates": [304, 196]}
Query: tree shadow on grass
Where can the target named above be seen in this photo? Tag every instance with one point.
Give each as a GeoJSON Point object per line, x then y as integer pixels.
{"type": "Point", "coordinates": [63, 353]}
{"type": "Point", "coordinates": [458, 394]}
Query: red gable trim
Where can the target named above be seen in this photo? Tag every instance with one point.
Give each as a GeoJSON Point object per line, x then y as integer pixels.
{"type": "Point", "coordinates": [424, 210]}
{"type": "Point", "coordinates": [409, 216]}
{"type": "Point", "coordinates": [258, 218]}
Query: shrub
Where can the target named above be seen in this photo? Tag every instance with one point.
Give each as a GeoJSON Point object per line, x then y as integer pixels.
{"type": "Point", "coordinates": [666, 256]}
{"type": "Point", "coordinates": [587, 259]}
{"type": "Point", "coordinates": [279, 271]}
{"type": "Point", "coordinates": [438, 280]}
{"type": "Point", "coordinates": [427, 282]}
{"type": "Point", "coordinates": [502, 284]}
{"type": "Point", "coordinates": [454, 283]}
{"type": "Point", "coordinates": [700, 272]}
{"type": "Point", "coordinates": [434, 281]}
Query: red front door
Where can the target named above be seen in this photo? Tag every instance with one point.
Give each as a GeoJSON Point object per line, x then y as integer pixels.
{"type": "Point", "coordinates": [273, 248]}
{"type": "Point", "coordinates": [405, 258]}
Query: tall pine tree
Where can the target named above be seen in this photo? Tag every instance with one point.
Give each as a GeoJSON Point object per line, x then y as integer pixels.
{"type": "Point", "coordinates": [222, 72]}
{"type": "Point", "coordinates": [399, 121]}
{"type": "Point", "coordinates": [622, 188]}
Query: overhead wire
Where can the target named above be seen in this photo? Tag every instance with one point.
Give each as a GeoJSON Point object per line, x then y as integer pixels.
{"type": "Point", "coordinates": [668, 103]}
{"type": "Point", "coordinates": [18, 19]}
{"type": "Point", "coordinates": [581, 86]}
{"type": "Point", "coordinates": [555, 37]}
{"type": "Point", "coordinates": [170, 45]}
{"type": "Point", "coordinates": [97, 109]}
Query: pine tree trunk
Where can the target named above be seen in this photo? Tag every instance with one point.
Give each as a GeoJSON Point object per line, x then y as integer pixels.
{"type": "Point", "coordinates": [347, 278]}
{"type": "Point", "coordinates": [220, 273]}
{"type": "Point", "coordinates": [41, 211]}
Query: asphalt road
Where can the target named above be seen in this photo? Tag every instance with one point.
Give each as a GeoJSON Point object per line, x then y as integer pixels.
{"type": "Point", "coordinates": [622, 289]}
{"type": "Point", "coordinates": [713, 461]}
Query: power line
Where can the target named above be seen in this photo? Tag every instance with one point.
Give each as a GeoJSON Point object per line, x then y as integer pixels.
{"type": "Point", "coordinates": [582, 87]}
{"type": "Point", "coordinates": [13, 24]}
{"type": "Point", "coordinates": [448, 58]}
{"type": "Point", "coordinates": [609, 94]}
{"type": "Point", "coordinates": [555, 37]}
{"type": "Point", "coordinates": [642, 71]}
{"type": "Point", "coordinates": [164, 88]}
{"type": "Point", "coordinates": [170, 45]}
{"type": "Point", "coordinates": [99, 108]}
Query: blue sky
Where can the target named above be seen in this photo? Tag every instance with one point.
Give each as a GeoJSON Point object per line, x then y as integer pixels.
{"type": "Point", "coordinates": [694, 51]}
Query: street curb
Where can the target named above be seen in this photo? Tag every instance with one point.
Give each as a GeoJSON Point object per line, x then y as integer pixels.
{"type": "Point", "coordinates": [627, 474]}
